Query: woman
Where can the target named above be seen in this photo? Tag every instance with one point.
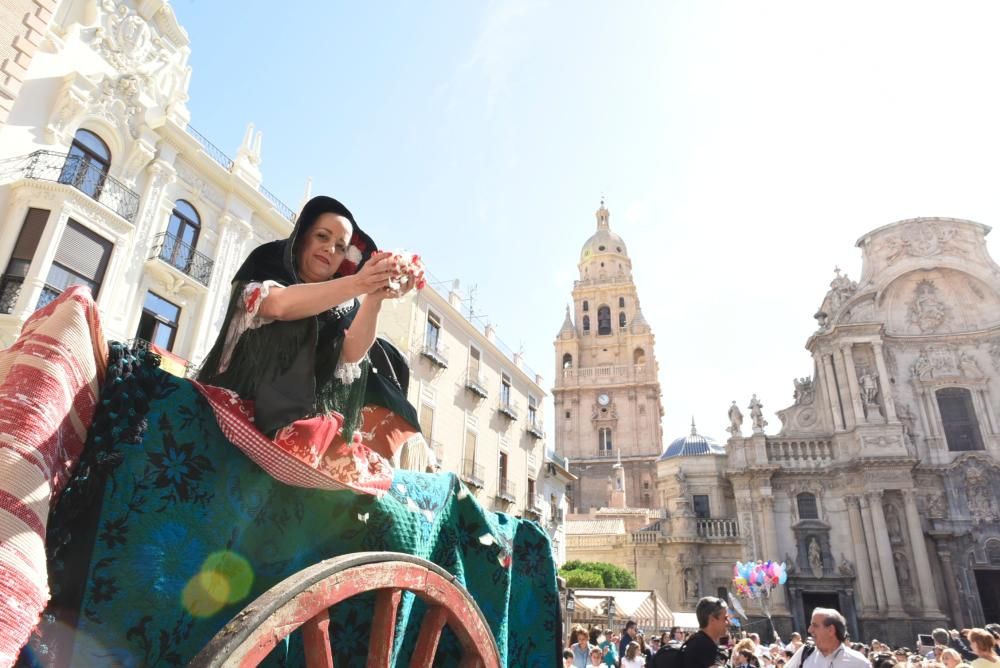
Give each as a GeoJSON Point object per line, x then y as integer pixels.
{"type": "Point", "coordinates": [983, 643]}
{"type": "Point", "coordinates": [633, 658]}
{"type": "Point", "coordinates": [581, 648]}
{"type": "Point", "coordinates": [950, 657]}
{"type": "Point", "coordinates": [299, 337]}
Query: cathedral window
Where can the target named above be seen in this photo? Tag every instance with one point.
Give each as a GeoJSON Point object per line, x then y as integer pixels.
{"type": "Point", "coordinates": [621, 302]}
{"type": "Point", "coordinates": [807, 506]}
{"type": "Point", "coordinates": [701, 509]}
{"type": "Point", "coordinates": [567, 361]}
{"type": "Point", "coordinates": [638, 356]}
{"type": "Point", "coordinates": [604, 446]}
{"type": "Point", "coordinates": [603, 320]}
{"type": "Point", "coordinates": [958, 417]}
{"type": "Point", "coordinates": [568, 414]}
{"type": "Point", "coordinates": [621, 320]}
{"type": "Point", "coordinates": [586, 306]}
{"type": "Point", "coordinates": [586, 324]}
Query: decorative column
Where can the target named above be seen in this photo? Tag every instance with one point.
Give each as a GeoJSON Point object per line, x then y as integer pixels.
{"type": "Point", "coordinates": [866, 585]}
{"type": "Point", "coordinates": [889, 580]}
{"type": "Point", "coordinates": [927, 592]}
{"type": "Point", "coordinates": [852, 382]}
{"type": "Point", "coordinates": [949, 577]}
{"type": "Point", "coordinates": [869, 543]}
{"type": "Point", "coordinates": [770, 538]}
{"type": "Point", "coordinates": [850, 418]}
{"type": "Point", "coordinates": [831, 392]}
{"type": "Point", "coordinates": [883, 383]}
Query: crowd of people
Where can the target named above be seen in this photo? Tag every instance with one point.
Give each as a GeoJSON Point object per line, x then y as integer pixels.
{"type": "Point", "coordinates": [827, 646]}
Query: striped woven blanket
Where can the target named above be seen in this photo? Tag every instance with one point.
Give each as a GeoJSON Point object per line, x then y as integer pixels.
{"type": "Point", "coordinates": [49, 381]}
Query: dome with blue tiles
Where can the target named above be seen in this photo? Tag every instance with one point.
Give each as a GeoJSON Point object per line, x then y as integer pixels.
{"type": "Point", "coordinates": [693, 444]}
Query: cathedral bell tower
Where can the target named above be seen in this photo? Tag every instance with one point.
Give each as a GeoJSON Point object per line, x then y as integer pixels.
{"type": "Point", "coordinates": [607, 393]}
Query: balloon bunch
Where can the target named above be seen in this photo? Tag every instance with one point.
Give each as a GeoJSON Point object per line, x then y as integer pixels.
{"type": "Point", "coordinates": [757, 579]}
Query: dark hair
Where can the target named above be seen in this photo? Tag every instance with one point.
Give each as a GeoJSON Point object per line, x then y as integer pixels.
{"type": "Point", "coordinates": [708, 607]}
{"type": "Point", "coordinates": [567, 654]}
{"type": "Point", "coordinates": [629, 624]}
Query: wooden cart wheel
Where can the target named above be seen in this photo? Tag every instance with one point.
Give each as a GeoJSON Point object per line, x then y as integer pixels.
{"type": "Point", "coordinates": [304, 599]}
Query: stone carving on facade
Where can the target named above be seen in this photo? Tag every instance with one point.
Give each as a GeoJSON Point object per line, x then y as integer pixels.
{"type": "Point", "coordinates": [902, 568]}
{"type": "Point", "coordinates": [845, 567]}
{"type": "Point", "coordinates": [994, 350]}
{"type": "Point", "coordinates": [909, 420]}
{"type": "Point", "coordinates": [815, 558]}
{"type": "Point", "coordinates": [691, 589]}
{"type": "Point", "coordinates": [922, 240]}
{"type": "Point", "coordinates": [735, 420]}
{"type": "Point", "coordinates": [926, 311]}
{"type": "Point", "coordinates": [935, 362]}
{"type": "Point", "coordinates": [757, 415]}
{"type": "Point", "coordinates": [127, 41]}
{"type": "Point", "coordinates": [805, 392]}
{"type": "Point", "coordinates": [200, 189]}
{"type": "Point", "coordinates": [893, 524]}
{"type": "Point", "coordinates": [968, 365]}
{"type": "Point", "coordinates": [978, 486]}
{"type": "Point", "coordinates": [869, 387]}
{"type": "Point", "coordinates": [879, 442]}
{"type": "Point", "coordinates": [935, 506]}
{"type": "Point", "coordinates": [789, 564]}
{"type": "Point", "coordinates": [842, 288]}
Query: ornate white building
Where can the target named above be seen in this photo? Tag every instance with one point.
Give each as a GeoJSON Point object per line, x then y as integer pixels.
{"type": "Point", "coordinates": [881, 488]}
{"type": "Point", "coordinates": [103, 182]}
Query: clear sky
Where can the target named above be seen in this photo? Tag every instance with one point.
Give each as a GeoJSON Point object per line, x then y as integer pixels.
{"type": "Point", "coordinates": [743, 147]}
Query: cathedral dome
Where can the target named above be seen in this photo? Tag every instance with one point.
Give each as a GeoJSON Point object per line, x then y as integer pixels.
{"type": "Point", "coordinates": [603, 241]}
{"type": "Point", "coordinates": [691, 445]}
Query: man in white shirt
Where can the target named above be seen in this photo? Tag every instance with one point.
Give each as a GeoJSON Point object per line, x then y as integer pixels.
{"type": "Point", "coordinates": [829, 631]}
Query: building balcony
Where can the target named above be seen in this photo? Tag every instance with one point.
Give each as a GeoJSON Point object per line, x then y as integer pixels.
{"type": "Point", "coordinates": [472, 473]}
{"type": "Point", "coordinates": [83, 175]}
{"type": "Point", "coordinates": [536, 428]}
{"type": "Point", "coordinates": [508, 408]}
{"type": "Point", "coordinates": [506, 490]}
{"type": "Point", "coordinates": [184, 258]}
{"type": "Point", "coordinates": [436, 352]}
{"type": "Point", "coordinates": [535, 506]}
{"type": "Point", "coordinates": [10, 290]}
{"type": "Point", "coordinates": [474, 383]}
{"type": "Point", "coordinates": [557, 516]}
{"type": "Point", "coordinates": [717, 529]}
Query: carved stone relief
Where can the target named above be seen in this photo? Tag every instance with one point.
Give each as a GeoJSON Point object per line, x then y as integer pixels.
{"type": "Point", "coordinates": [979, 489]}
{"type": "Point", "coordinates": [805, 393]}
{"type": "Point", "coordinates": [936, 362]}
{"type": "Point", "coordinates": [902, 568]}
{"type": "Point", "coordinates": [922, 240]}
{"type": "Point", "coordinates": [815, 558]}
{"type": "Point", "coordinates": [893, 524]}
{"type": "Point", "coordinates": [925, 310]}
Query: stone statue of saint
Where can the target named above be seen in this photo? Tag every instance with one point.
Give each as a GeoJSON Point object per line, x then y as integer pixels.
{"type": "Point", "coordinates": [902, 569]}
{"type": "Point", "coordinates": [815, 558]}
{"type": "Point", "coordinates": [968, 365]}
{"type": "Point", "coordinates": [869, 387]}
{"type": "Point", "coordinates": [690, 583]}
{"type": "Point", "coordinates": [845, 567]}
{"type": "Point", "coordinates": [735, 420]}
{"type": "Point", "coordinates": [757, 415]}
{"type": "Point", "coordinates": [893, 524]}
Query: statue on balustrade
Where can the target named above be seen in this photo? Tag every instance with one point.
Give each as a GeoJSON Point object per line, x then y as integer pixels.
{"type": "Point", "coordinates": [757, 415]}
{"type": "Point", "coordinates": [735, 420]}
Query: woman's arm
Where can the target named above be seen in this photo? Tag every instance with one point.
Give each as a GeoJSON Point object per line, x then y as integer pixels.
{"type": "Point", "coordinates": [306, 299]}
{"type": "Point", "coordinates": [361, 334]}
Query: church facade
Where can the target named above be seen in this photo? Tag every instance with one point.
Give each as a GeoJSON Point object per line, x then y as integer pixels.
{"type": "Point", "coordinates": [881, 487]}
{"type": "Point", "coordinates": [607, 393]}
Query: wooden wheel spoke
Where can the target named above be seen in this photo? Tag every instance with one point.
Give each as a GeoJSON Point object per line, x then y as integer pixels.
{"type": "Point", "coordinates": [429, 636]}
{"type": "Point", "coordinates": [383, 627]}
{"type": "Point", "coordinates": [316, 639]}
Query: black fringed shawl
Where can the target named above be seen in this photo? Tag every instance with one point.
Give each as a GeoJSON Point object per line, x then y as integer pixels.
{"type": "Point", "coordinates": [287, 367]}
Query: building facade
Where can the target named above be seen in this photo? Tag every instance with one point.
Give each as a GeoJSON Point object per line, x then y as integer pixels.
{"type": "Point", "coordinates": [881, 488]}
{"type": "Point", "coordinates": [480, 408]}
{"type": "Point", "coordinates": [103, 182]}
{"type": "Point", "coordinates": [607, 393]}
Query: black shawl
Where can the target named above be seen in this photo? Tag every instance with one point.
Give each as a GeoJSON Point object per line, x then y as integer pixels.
{"type": "Point", "coordinates": [285, 366]}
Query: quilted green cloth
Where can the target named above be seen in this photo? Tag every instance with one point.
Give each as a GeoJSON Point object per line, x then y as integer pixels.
{"type": "Point", "coordinates": [186, 530]}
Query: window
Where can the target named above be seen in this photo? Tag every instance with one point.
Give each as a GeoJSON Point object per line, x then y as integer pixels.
{"type": "Point", "coordinates": [993, 552]}
{"type": "Point", "coordinates": [158, 322]}
{"type": "Point", "coordinates": [807, 506]}
{"type": "Point", "coordinates": [586, 324]}
{"type": "Point", "coordinates": [427, 420]}
{"type": "Point", "coordinates": [182, 235]}
{"type": "Point", "coordinates": [87, 163]}
{"type": "Point", "coordinates": [638, 356]}
{"type": "Point", "coordinates": [531, 493]}
{"type": "Point", "coordinates": [475, 359]}
{"type": "Point", "coordinates": [603, 321]}
{"type": "Point", "coordinates": [958, 417]}
{"type": "Point", "coordinates": [81, 259]}
{"type": "Point", "coordinates": [621, 302]}
{"type": "Point", "coordinates": [502, 470]}
{"type": "Point", "coordinates": [567, 361]}
{"type": "Point", "coordinates": [621, 320]}
{"type": "Point", "coordinates": [21, 256]}
{"type": "Point", "coordinates": [604, 445]}
{"type": "Point", "coordinates": [645, 484]}
{"type": "Point", "coordinates": [568, 414]}
{"type": "Point", "coordinates": [504, 389]}
{"type": "Point", "coordinates": [586, 306]}
{"type": "Point", "coordinates": [432, 335]}
{"type": "Point", "coordinates": [532, 411]}
{"type": "Point", "coordinates": [701, 510]}
{"type": "Point", "coordinates": [469, 467]}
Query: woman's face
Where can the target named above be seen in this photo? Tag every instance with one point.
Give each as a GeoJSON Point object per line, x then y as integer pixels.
{"type": "Point", "coordinates": [323, 248]}
{"type": "Point", "coordinates": [949, 660]}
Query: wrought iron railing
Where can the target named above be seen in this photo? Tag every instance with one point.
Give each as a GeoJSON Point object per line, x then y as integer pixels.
{"type": "Point", "coordinates": [474, 382]}
{"type": "Point", "coordinates": [213, 151]}
{"type": "Point", "coordinates": [48, 296]}
{"type": "Point", "coordinates": [436, 352]}
{"type": "Point", "coordinates": [507, 490]}
{"type": "Point", "coordinates": [10, 290]}
{"type": "Point", "coordinates": [536, 427]}
{"type": "Point", "coordinates": [84, 175]}
{"type": "Point", "coordinates": [182, 256]}
{"type": "Point", "coordinates": [473, 473]}
{"type": "Point", "coordinates": [278, 204]}
{"type": "Point", "coordinates": [509, 407]}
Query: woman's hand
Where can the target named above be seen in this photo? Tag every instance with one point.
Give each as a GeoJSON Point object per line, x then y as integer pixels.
{"type": "Point", "coordinates": [376, 274]}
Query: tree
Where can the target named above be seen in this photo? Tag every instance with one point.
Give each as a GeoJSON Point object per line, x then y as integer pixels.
{"type": "Point", "coordinates": [611, 576]}
{"type": "Point", "coordinates": [581, 579]}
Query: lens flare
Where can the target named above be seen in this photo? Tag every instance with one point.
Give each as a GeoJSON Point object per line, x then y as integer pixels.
{"type": "Point", "coordinates": [223, 579]}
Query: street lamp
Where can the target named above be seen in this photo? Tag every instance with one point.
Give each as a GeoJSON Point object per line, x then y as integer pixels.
{"type": "Point", "coordinates": [611, 613]}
